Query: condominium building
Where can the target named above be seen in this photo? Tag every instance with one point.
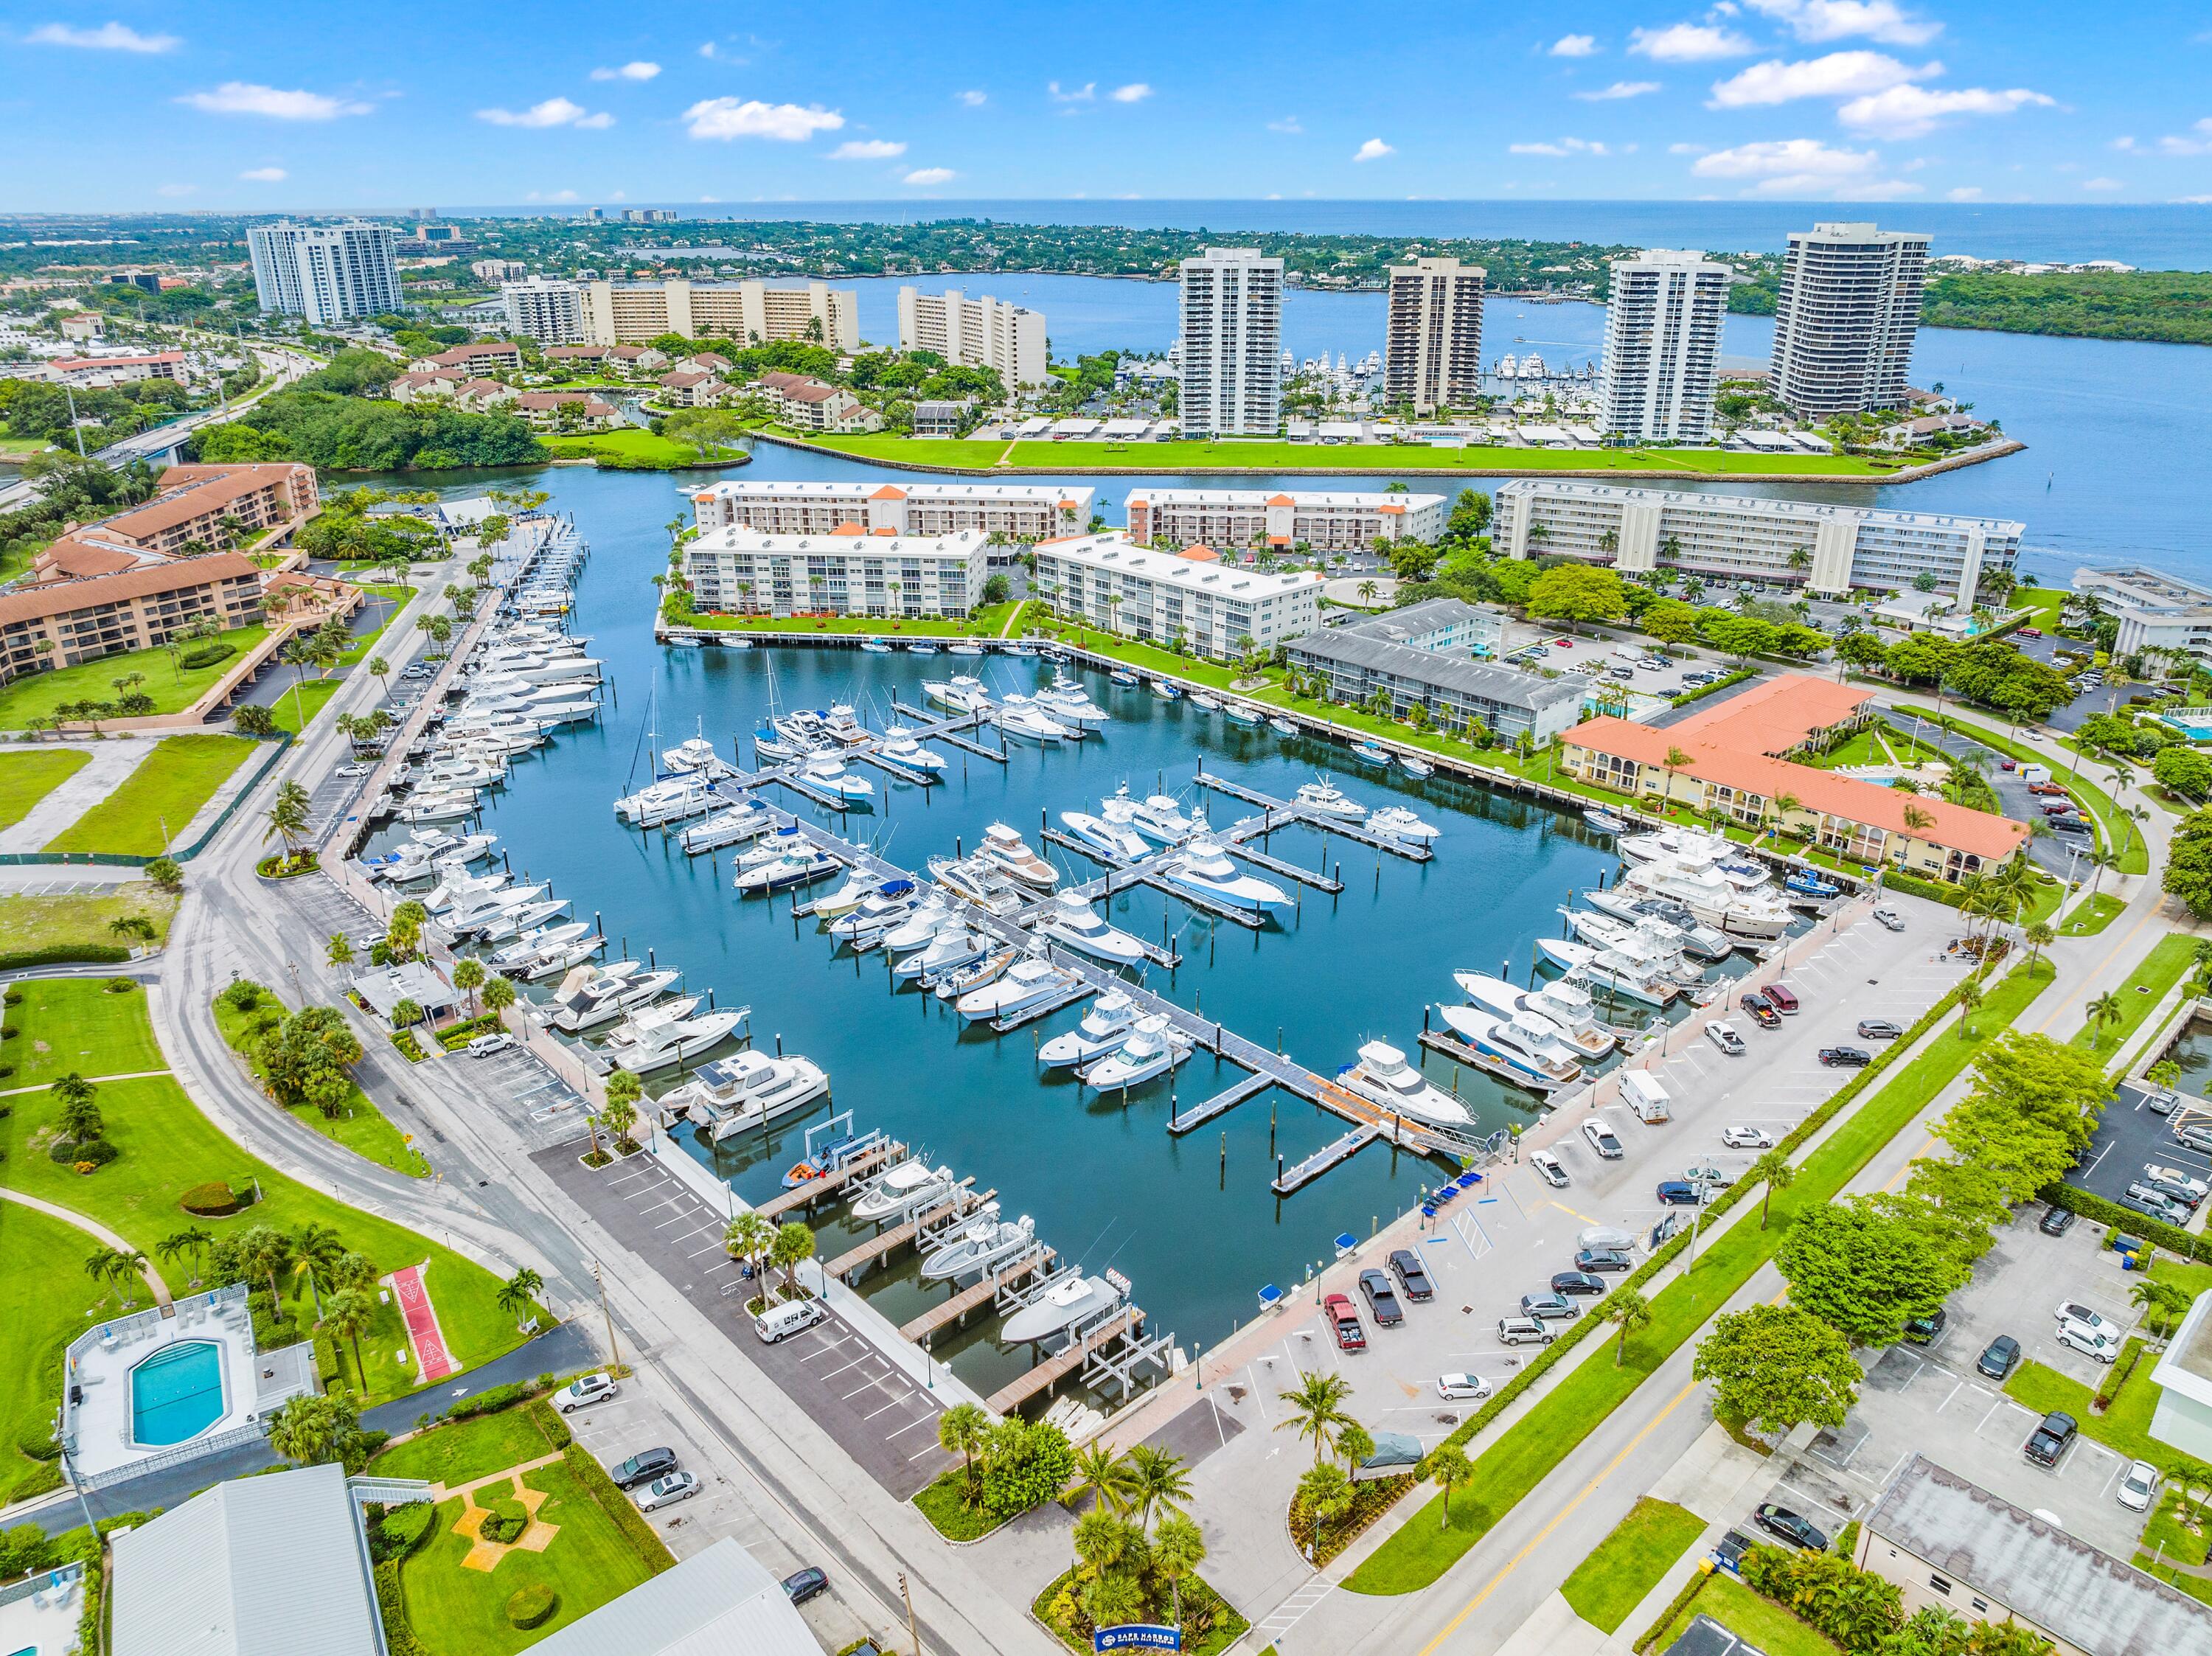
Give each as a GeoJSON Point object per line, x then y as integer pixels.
{"type": "Point", "coordinates": [1663, 344]}
{"type": "Point", "coordinates": [810, 405]}
{"type": "Point", "coordinates": [100, 373]}
{"type": "Point", "coordinates": [848, 571]}
{"type": "Point", "coordinates": [548, 311]}
{"type": "Point", "coordinates": [2155, 610]}
{"type": "Point", "coordinates": [749, 312]}
{"type": "Point", "coordinates": [124, 600]}
{"type": "Point", "coordinates": [1432, 357]}
{"type": "Point", "coordinates": [1825, 549]}
{"type": "Point", "coordinates": [498, 270]}
{"type": "Point", "coordinates": [1118, 586]}
{"type": "Point", "coordinates": [975, 333]}
{"type": "Point", "coordinates": [325, 273]}
{"type": "Point", "coordinates": [1233, 519]}
{"type": "Point", "coordinates": [1846, 317]}
{"type": "Point", "coordinates": [1027, 512]}
{"type": "Point", "coordinates": [1419, 655]}
{"type": "Point", "coordinates": [1231, 374]}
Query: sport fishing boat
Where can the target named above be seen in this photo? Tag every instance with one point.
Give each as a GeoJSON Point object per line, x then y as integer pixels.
{"type": "Point", "coordinates": [1655, 946]}
{"type": "Point", "coordinates": [727, 828]}
{"type": "Point", "coordinates": [1608, 970]}
{"type": "Point", "coordinates": [1398, 823]}
{"type": "Point", "coordinates": [900, 748]}
{"type": "Point", "coordinates": [672, 799]}
{"type": "Point", "coordinates": [663, 1045]}
{"type": "Point", "coordinates": [909, 1184]}
{"type": "Point", "coordinates": [961, 694]}
{"type": "Point", "coordinates": [1708, 894]}
{"type": "Point", "coordinates": [1636, 906]}
{"type": "Point", "coordinates": [1567, 1010]}
{"type": "Point", "coordinates": [949, 951]}
{"type": "Point", "coordinates": [781, 866]}
{"type": "Point", "coordinates": [1204, 867]}
{"type": "Point", "coordinates": [859, 887]}
{"type": "Point", "coordinates": [529, 954]}
{"type": "Point", "coordinates": [1152, 1049]}
{"type": "Point", "coordinates": [1524, 1048]}
{"type": "Point", "coordinates": [986, 1241]}
{"type": "Point", "coordinates": [746, 1090]}
{"type": "Point", "coordinates": [1026, 983]}
{"type": "Point", "coordinates": [1325, 798]}
{"type": "Point", "coordinates": [1071, 920]}
{"type": "Point", "coordinates": [513, 922]}
{"type": "Point", "coordinates": [877, 913]}
{"type": "Point", "coordinates": [617, 991]}
{"type": "Point", "coordinates": [830, 776]}
{"type": "Point", "coordinates": [1383, 1077]}
{"type": "Point", "coordinates": [1157, 817]}
{"type": "Point", "coordinates": [930, 916]}
{"type": "Point", "coordinates": [1114, 840]}
{"type": "Point", "coordinates": [1019, 716]}
{"type": "Point", "coordinates": [695, 754]}
{"type": "Point", "coordinates": [952, 985]}
{"type": "Point", "coordinates": [981, 882]}
{"type": "Point", "coordinates": [1105, 1026]}
{"type": "Point", "coordinates": [1007, 850]}
{"type": "Point", "coordinates": [1072, 1300]}
{"type": "Point", "coordinates": [1065, 700]}
{"type": "Point", "coordinates": [1125, 678]}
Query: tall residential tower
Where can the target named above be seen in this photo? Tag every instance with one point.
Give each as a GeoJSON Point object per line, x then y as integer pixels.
{"type": "Point", "coordinates": [1231, 374]}
{"type": "Point", "coordinates": [1845, 321]}
{"type": "Point", "coordinates": [1433, 358]}
{"type": "Point", "coordinates": [975, 333]}
{"type": "Point", "coordinates": [325, 272]}
{"type": "Point", "coordinates": [1662, 345]}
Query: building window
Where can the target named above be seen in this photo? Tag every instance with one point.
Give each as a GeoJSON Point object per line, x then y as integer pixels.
{"type": "Point", "coordinates": [1940, 1584]}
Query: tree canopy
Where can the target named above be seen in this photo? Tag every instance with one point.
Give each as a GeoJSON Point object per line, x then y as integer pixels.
{"type": "Point", "coordinates": [1775, 1367]}
{"type": "Point", "coordinates": [1864, 1270]}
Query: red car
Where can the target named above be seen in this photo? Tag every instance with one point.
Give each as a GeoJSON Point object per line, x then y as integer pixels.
{"type": "Point", "coordinates": [1344, 1321]}
{"type": "Point", "coordinates": [2031, 632]}
{"type": "Point", "coordinates": [2048, 788]}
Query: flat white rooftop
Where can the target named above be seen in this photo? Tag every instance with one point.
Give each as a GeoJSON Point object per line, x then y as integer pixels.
{"type": "Point", "coordinates": [843, 543]}
{"type": "Point", "coordinates": [38, 1615]}
{"type": "Point", "coordinates": [1685, 499]}
{"type": "Point", "coordinates": [1349, 499]}
{"type": "Point", "coordinates": [1194, 574]}
{"type": "Point", "coordinates": [810, 489]}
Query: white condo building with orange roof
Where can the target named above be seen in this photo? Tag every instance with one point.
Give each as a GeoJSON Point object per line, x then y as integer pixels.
{"type": "Point", "coordinates": [849, 570]}
{"type": "Point", "coordinates": [1025, 512]}
{"type": "Point", "coordinates": [1234, 518]}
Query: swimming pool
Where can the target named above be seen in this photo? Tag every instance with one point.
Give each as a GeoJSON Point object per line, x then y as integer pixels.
{"type": "Point", "coordinates": [177, 1393]}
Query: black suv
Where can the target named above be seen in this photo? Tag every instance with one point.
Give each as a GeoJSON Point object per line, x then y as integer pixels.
{"type": "Point", "coordinates": [1381, 1299]}
{"type": "Point", "coordinates": [1793, 1527]}
{"type": "Point", "coordinates": [1922, 1331]}
{"type": "Point", "coordinates": [1412, 1280]}
{"type": "Point", "coordinates": [2049, 1440]}
{"type": "Point", "coordinates": [2058, 1221]}
{"type": "Point", "coordinates": [1845, 1058]}
{"type": "Point", "coordinates": [643, 1468]}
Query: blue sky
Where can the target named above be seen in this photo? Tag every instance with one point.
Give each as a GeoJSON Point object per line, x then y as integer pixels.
{"type": "Point", "coordinates": [313, 106]}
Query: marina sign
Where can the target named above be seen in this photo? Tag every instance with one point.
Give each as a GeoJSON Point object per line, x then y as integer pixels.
{"type": "Point", "coordinates": [1137, 1635]}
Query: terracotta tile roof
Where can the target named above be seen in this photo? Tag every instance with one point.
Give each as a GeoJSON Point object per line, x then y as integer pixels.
{"type": "Point", "coordinates": [884, 529]}
{"type": "Point", "coordinates": [1392, 509]}
{"type": "Point", "coordinates": [1775, 714]}
{"type": "Point", "coordinates": [1200, 554]}
{"type": "Point", "coordinates": [1281, 500]}
{"type": "Point", "coordinates": [539, 400]}
{"type": "Point", "coordinates": [809, 392]}
{"type": "Point", "coordinates": [170, 575]}
{"type": "Point", "coordinates": [462, 355]}
{"type": "Point", "coordinates": [685, 379]}
{"type": "Point", "coordinates": [194, 491]}
{"type": "Point", "coordinates": [575, 353]}
{"type": "Point", "coordinates": [848, 528]}
{"type": "Point", "coordinates": [889, 492]}
{"type": "Point", "coordinates": [71, 559]}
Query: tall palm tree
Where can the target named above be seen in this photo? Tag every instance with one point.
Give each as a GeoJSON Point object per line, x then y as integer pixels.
{"type": "Point", "coordinates": [794, 1243]}
{"type": "Point", "coordinates": [347, 1313]}
{"type": "Point", "coordinates": [1316, 1408]}
{"type": "Point", "coordinates": [1156, 1480]}
{"type": "Point", "coordinates": [310, 1428]}
{"type": "Point", "coordinates": [1102, 1474]}
{"type": "Point", "coordinates": [1447, 1467]}
{"type": "Point", "coordinates": [1970, 996]}
{"type": "Point", "coordinates": [2104, 1010]}
{"type": "Point", "coordinates": [1628, 1311]}
{"type": "Point", "coordinates": [1773, 1171]}
{"type": "Point", "coordinates": [960, 1431]}
{"type": "Point", "coordinates": [315, 1248]}
{"type": "Point", "coordinates": [286, 817]}
{"type": "Point", "coordinates": [518, 1292]}
{"type": "Point", "coordinates": [1327, 1493]}
{"type": "Point", "coordinates": [749, 1236]}
{"type": "Point", "coordinates": [1177, 1551]}
{"type": "Point", "coordinates": [192, 1239]}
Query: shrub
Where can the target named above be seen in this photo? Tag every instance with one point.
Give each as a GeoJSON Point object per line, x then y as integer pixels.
{"type": "Point", "coordinates": [1672, 1613]}
{"type": "Point", "coordinates": [8, 1031]}
{"type": "Point", "coordinates": [242, 996]}
{"type": "Point", "coordinates": [2117, 1375]}
{"type": "Point", "coordinates": [402, 1529]}
{"type": "Point", "coordinates": [6, 1069]}
{"type": "Point", "coordinates": [548, 1422]}
{"type": "Point", "coordinates": [63, 954]}
{"type": "Point", "coordinates": [121, 985]}
{"type": "Point", "coordinates": [2111, 1215]}
{"type": "Point", "coordinates": [506, 1521]}
{"type": "Point", "coordinates": [531, 1606]}
{"type": "Point", "coordinates": [493, 1399]}
{"type": "Point", "coordinates": [91, 1153]}
{"type": "Point", "coordinates": [13, 997]}
{"type": "Point", "coordinates": [211, 1201]}
{"type": "Point", "coordinates": [42, 1446]}
{"type": "Point", "coordinates": [399, 1638]}
{"type": "Point", "coordinates": [63, 1150]}
{"type": "Point", "coordinates": [208, 654]}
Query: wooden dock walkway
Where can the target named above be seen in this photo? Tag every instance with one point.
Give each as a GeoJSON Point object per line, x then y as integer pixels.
{"type": "Point", "coordinates": [1285, 812]}
{"type": "Point", "coordinates": [814, 1189]}
{"type": "Point", "coordinates": [888, 1242]}
{"type": "Point", "coordinates": [1326, 1156]}
{"type": "Point", "coordinates": [981, 1294]}
{"type": "Point", "coordinates": [1220, 1104]}
{"type": "Point", "coordinates": [1053, 1369]}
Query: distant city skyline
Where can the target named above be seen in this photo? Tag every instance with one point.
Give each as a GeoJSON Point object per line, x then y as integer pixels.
{"type": "Point", "coordinates": [257, 107]}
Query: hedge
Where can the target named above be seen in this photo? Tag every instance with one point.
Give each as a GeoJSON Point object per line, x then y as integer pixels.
{"type": "Point", "coordinates": [64, 954]}
{"type": "Point", "coordinates": [531, 1606]}
{"type": "Point", "coordinates": [1718, 685]}
{"type": "Point", "coordinates": [493, 1399]}
{"type": "Point", "coordinates": [548, 1422]}
{"type": "Point", "coordinates": [1935, 891]}
{"type": "Point", "coordinates": [2116, 1376]}
{"type": "Point", "coordinates": [652, 1551]}
{"type": "Point", "coordinates": [211, 1201]}
{"type": "Point", "coordinates": [405, 1528]}
{"type": "Point", "coordinates": [399, 1638]}
{"type": "Point", "coordinates": [208, 654]}
{"type": "Point", "coordinates": [2092, 1206]}
{"type": "Point", "coordinates": [1676, 1606]}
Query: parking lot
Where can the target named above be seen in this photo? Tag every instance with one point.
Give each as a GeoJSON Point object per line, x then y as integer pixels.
{"type": "Point", "coordinates": [1930, 1400]}
{"type": "Point", "coordinates": [2129, 1135]}
{"type": "Point", "coordinates": [1566, 652]}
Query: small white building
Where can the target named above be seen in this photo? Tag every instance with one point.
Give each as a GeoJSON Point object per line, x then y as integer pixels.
{"type": "Point", "coordinates": [849, 570]}
{"type": "Point", "coordinates": [1117, 585]}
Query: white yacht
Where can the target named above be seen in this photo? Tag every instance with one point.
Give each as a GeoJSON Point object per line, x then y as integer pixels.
{"type": "Point", "coordinates": [1204, 867]}
{"type": "Point", "coordinates": [673, 1043]}
{"type": "Point", "coordinates": [1713, 898]}
{"type": "Point", "coordinates": [829, 774]}
{"type": "Point", "coordinates": [981, 882]}
{"type": "Point", "coordinates": [1526, 1048]}
{"type": "Point", "coordinates": [670, 799]}
{"type": "Point", "coordinates": [1068, 701]}
{"type": "Point", "coordinates": [1400, 823]}
{"type": "Point", "coordinates": [877, 913]}
{"type": "Point", "coordinates": [984, 1242]}
{"type": "Point", "coordinates": [556, 958]}
{"type": "Point", "coordinates": [1073, 1299]}
{"type": "Point", "coordinates": [747, 1090]}
{"type": "Point", "coordinates": [513, 922]}
{"type": "Point", "coordinates": [727, 828]}
{"type": "Point", "coordinates": [1635, 907]}
{"type": "Point", "coordinates": [473, 908]}
{"type": "Point", "coordinates": [1151, 1048]}
{"type": "Point", "coordinates": [1325, 798]}
{"type": "Point", "coordinates": [1116, 840]}
{"type": "Point", "coordinates": [1025, 984]}
{"type": "Point", "coordinates": [859, 887]}
{"type": "Point", "coordinates": [1071, 920]}
{"type": "Point", "coordinates": [966, 979]}
{"type": "Point", "coordinates": [961, 694]}
{"type": "Point", "coordinates": [529, 946]}
{"type": "Point", "coordinates": [1007, 850]}
{"type": "Point", "coordinates": [1105, 1026]}
{"type": "Point", "coordinates": [780, 867]}
{"type": "Point", "coordinates": [639, 1026]}
{"type": "Point", "coordinates": [695, 754]}
{"type": "Point", "coordinates": [1019, 716]}
{"type": "Point", "coordinates": [950, 950]}
{"type": "Point", "coordinates": [1566, 1008]}
{"type": "Point", "coordinates": [909, 1184]}
{"type": "Point", "coordinates": [934, 914]}
{"type": "Point", "coordinates": [1383, 1077]}
{"type": "Point", "coordinates": [1157, 817]}
{"type": "Point", "coordinates": [900, 748]}
{"type": "Point", "coordinates": [1608, 970]}
{"type": "Point", "coordinates": [1655, 946]}
{"type": "Point", "coordinates": [618, 990]}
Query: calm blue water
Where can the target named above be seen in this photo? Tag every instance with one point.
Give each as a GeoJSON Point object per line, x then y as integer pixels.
{"type": "Point", "coordinates": [177, 1393]}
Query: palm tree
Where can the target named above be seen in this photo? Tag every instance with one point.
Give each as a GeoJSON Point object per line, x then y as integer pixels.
{"type": "Point", "coordinates": [1674, 760]}
{"type": "Point", "coordinates": [339, 949]}
{"type": "Point", "coordinates": [1177, 1551]}
{"type": "Point", "coordinates": [960, 1428]}
{"type": "Point", "coordinates": [1100, 1540]}
{"type": "Point", "coordinates": [264, 1251]}
{"type": "Point", "coordinates": [2167, 1299]}
{"type": "Point", "coordinates": [309, 1428]}
{"type": "Point", "coordinates": [2106, 1009]}
{"type": "Point", "coordinates": [794, 1243]}
{"type": "Point", "coordinates": [378, 668]}
{"type": "Point", "coordinates": [347, 1313]}
{"type": "Point", "coordinates": [315, 1247]}
{"type": "Point", "coordinates": [1316, 1408]}
{"type": "Point", "coordinates": [1774, 1171]}
{"type": "Point", "coordinates": [136, 927]}
{"type": "Point", "coordinates": [1157, 1479]}
{"type": "Point", "coordinates": [1447, 1467]}
{"type": "Point", "coordinates": [498, 994]}
{"type": "Point", "coordinates": [1970, 996]}
{"type": "Point", "coordinates": [105, 1266]}
{"type": "Point", "coordinates": [79, 1116]}
{"type": "Point", "coordinates": [1327, 1493]}
{"type": "Point", "coordinates": [519, 1291]}
{"type": "Point", "coordinates": [749, 1236]}
{"type": "Point", "coordinates": [1628, 1311]}
{"type": "Point", "coordinates": [1367, 590]}
{"type": "Point", "coordinates": [468, 973]}
{"type": "Point", "coordinates": [1102, 1474]}
{"type": "Point", "coordinates": [288, 818]}
{"type": "Point", "coordinates": [193, 1241]}
{"type": "Point", "coordinates": [620, 1114]}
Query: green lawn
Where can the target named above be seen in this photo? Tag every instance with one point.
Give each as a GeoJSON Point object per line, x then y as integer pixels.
{"type": "Point", "coordinates": [2169, 958]}
{"type": "Point", "coordinates": [2044, 601]}
{"type": "Point", "coordinates": [464, 1612]}
{"type": "Point", "coordinates": [637, 446]}
{"type": "Point", "coordinates": [167, 1146]}
{"type": "Point", "coordinates": [45, 1301]}
{"type": "Point", "coordinates": [1518, 1459]}
{"type": "Point", "coordinates": [1384, 458]}
{"type": "Point", "coordinates": [1759, 1622]}
{"type": "Point", "coordinates": [76, 1024]}
{"type": "Point", "coordinates": [2165, 1543]}
{"type": "Point", "coordinates": [29, 922]}
{"type": "Point", "coordinates": [296, 708]}
{"type": "Point", "coordinates": [1628, 1563]}
{"type": "Point", "coordinates": [2124, 1426]}
{"type": "Point", "coordinates": [28, 775]}
{"type": "Point", "coordinates": [2091, 917]}
{"type": "Point", "coordinates": [460, 1450]}
{"type": "Point", "coordinates": [361, 1129]}
{"type": "Point", "coordinates": [172, 687]}
{"type": "Point", "coordinates": [1879, 745]}
{"type": "Point", "coordinates": [150, 811]}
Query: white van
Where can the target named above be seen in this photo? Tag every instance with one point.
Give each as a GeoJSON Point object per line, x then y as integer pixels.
{"type": "Point", "coordinates": [2035, 773]}
{"type": "Point", "coordinates": [1628, 655]}
{"type": "Point", "coordinates": [1645, 1094]}
{"type": "Point", "coordinates": [780, 1322]}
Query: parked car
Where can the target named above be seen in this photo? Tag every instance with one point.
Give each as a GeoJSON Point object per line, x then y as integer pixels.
{"type": "Point", "coordinates": [1724, 1037]}
{"type": "Point", "coordinates": [1547, 1305]}
{"type": "Point", "coordinates": [1889, 918]}
{"type": "Point", "coordinates": [2027, 632]}
{"type": "Point", "coordinates": [1784, 999]}
{"type": "Point", "coordinates": [2056, 1221]}
{"type": "Point", "coordinates": [2149, 1199]}
{"type": "Point", "coordinates": [581, 1394]}
{"type": "Point", "coordinates": [1679, 1194]}
{"type": "Point", "coordinates": [1878, 1029]}
{"type": "Point", "coordinates": [1603, 1259]}
{"type": "Point", "coordinates": [1924, 1331]}
{"type": "Point", "coordinates": [1600, 1139]}
{"type": "Point", "coordinates": [643, 1468]}
{"type": "Point", "coordinates": [2181, 1193]}
{"type": "Point", "coordinates": [1747, 1138]}
{"type": "Point", "coordinates": [1412, 1280]}
{"type": "Point", "coordinates": [1548, 1168]}
{"type": "Point", "coordinates": [2064, 808]}
{"type": "Point", "coordinates": [1382, 1300]}
{"type": "Point", "coordinates": [2049, 790]}
{"type": "Point", "coordinates": [1344, 1322]}
{"type": "Point", "coordinates": [354, 768]}
{"type": "Point", "coordinates": [485, 1045]}
{"type": "Point", "coordinates": [1521, 1331]}
{"type": "Point", "coordinates": [2050, 1439]}
{"type": "Point", "coordinates": [1461, 1388]}
{"type": "Point", "coordinates": [2192, 1136]}
{"type": "Point", "coordinates": [2139, 1488]}
{"type": "Point", "coordinates": [1793, 1527]}
{"type": "Point", "coordinates": [667, 1491]}
{"type": "Point", "coordinates": [803, 1585]}
{"type": "Point", "coordinates": [2082, 1337]}
{"type": "Point", "coordinates": [2072, 1310]}
{"type": "Point", "coordinates": [1999, 1357]}
{"type": "Point", "coordinates": [1845, 1058]}
{"type": "Point", "coordinates": [1710, 1176]}
{"type": "Point", "coordinates": [1577, 1282]}
{"type": "Point", "coordinates": [2070, 825]}
{"type": "Point", "coordinates": [2179, 1178]}
{"type": "Point", "coordinates": [1761, 1011]}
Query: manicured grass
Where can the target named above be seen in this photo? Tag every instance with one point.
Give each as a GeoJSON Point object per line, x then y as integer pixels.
{"type": "Point", "coordinates": [2165, 1543]}
{"type": "Point", "coordinates": [464, 1612]}
{"type": "Point", "coordinates": [45, 1301]}
{"type": "Point", "coordinates": [2124, 1426]}
{"type": "Point", "coordinates": [461, 1450]}
{"type": "Point", "coordinates": [2044, 601]}
{"type": "Point", "coordinates": [1519, 1458]}
{"type": "Point", "coordinates": [986, 620]}
{"type": "Point", "coordinates": [1879, 746]}
{"type": "Point", "coordinates": [76, 1024]}
{"type": "Point", "coordinates": [296, 708]}
{"type": "Point", "coordinates": [2169, 958]}
{"type": "Point", "coordinates": [1628, 1563]}
{"type": "Point", "coordinates": [30, 922]}
{"type": "Point", "coordinates": [2091, 917]}
{"type": "Point", "coordinates": [150, 811]}
{"type": "Point", "coordinates": [638, 447]}
{"type": "Point", "coordinates": [167, 1146]}
{"type": "Point", "coordinates": [362, 1127]}
{"type": "Point", "coordinates": [28, 775]}
{"type": "Point", "coordinates": [943, 1504]}
{"type": "Point", "coordinates": [1381, 457]}
{"type": "Point", "coordinates": [171, 688]}
{"type": "Point", "coordinates": [1759, 1622]}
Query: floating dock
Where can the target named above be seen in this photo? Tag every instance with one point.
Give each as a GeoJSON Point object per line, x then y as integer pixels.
{"type": "Point", "coordinates": [1287, 813]}
{"type": "Point", "coordinates": [1340, 1150]}
{"type": "Point", "coordinates": [982, 1294]}
{"type": "Point", "coordinates": [815, 1189]}
{"type": "Point", "coordinates": [880, 1247]}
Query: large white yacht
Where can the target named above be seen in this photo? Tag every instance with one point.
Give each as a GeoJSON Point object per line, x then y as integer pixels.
{"type": "Point", "coordinates": [1383, 1077]}
{"type": "Point", "coordinates": [1204, 867]}
{"type": "Point", "coordinates": [1565, 1007]}
{"type": "Point", "coordinates": [1526, 1046]}
{"type": "Point", "coordinates": [746, 1090]}
{"type": "Point", "coordinates": [1071, 920]}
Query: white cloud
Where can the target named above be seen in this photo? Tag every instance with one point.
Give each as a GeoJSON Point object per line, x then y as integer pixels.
{"type": "Point", "coordinates": [928, 175]}
{"type": "Point", "coordinates": [734, 118]}
{"type": "Point", "coordinates": [1688, 42]}
{"type": "Point", "coordinates": [554, 112]}
{"type": "Point", "coordinates": [2192, 201]}
{"type": "Point", "coordinates": [599, 123]}
{"type": "Point", "coordinates": [247, 98]}
{"type": "Point", "coordinates": [551, 194]}
{"type": "Point", "coordinates": [973, 100]}
{"type": "Point", "coordinates": [1906, 111]}
{"type": "Point", "coordinates": [264, 174]}
{"type": "Point", "coordinates": [178, 190]}
{"type": "Point", "coordinates": [1839, 74]}
{"type": "Point", "coordinates": [1803, 166]}
{"type": "Point", "coordinates": [1686, 149]}
{"type": "Point", "coordinates": [1619, 89]}
{"type": "Point", "coordinates": [1082, 95]}
{"type": "Point", "coordinates": [867, 150]}
{"type": "Point", "coordinates": [636, 71]}
{"type": "Point", "coordinates": [2196, 142]}
{"type": "Point", "coordinates": [1965, 192]}
{"type": "Point", "coordinates": [1373, 150]}
{"type": "Point", "coordinates": [1565, 147]}
{"type": "Point", "coordinates": [1839, 19]}
{"type": "Point", "coordinates": [108, 37]}
{"type": "Point", "coordinates": [1135, 93]}
{"type": "Point", "coordinates": [2102, 184]}
{"type": "Point", "coordinates": [1289, 123]}
{"type": "Point", "coordinates": [1575, 45]}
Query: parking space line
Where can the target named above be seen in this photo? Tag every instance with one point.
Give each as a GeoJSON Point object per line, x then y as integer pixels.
{"type": "Point", "coordinates": [886, 1409]}
{"type": "Point", "coordinates": [910, 1425]}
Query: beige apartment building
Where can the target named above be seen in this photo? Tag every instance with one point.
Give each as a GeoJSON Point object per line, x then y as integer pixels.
{"type": "Point", "coordinates": [1024, 511]}
{"type": "Point", "coordinates": [848, 571]}
{"type": "Point", "coordinates": [1213, 607]}
{"type": "Point", "coordinates": [1328, 521]}
{"type": "Point", "coordinates": [975, 333]}
{"type": "Point", "coordinates": [1846, 317]}
{"type": "Point", "coordinates": [1432, 356]}
{"type": "Point", "coordinates": [749, 312]}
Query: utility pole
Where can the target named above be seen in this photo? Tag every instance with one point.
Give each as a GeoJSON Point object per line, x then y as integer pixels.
{"type": "Point", "coordinates": [614, 1346]}
{"type": "Point", "coordinates": [911, 1631]}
